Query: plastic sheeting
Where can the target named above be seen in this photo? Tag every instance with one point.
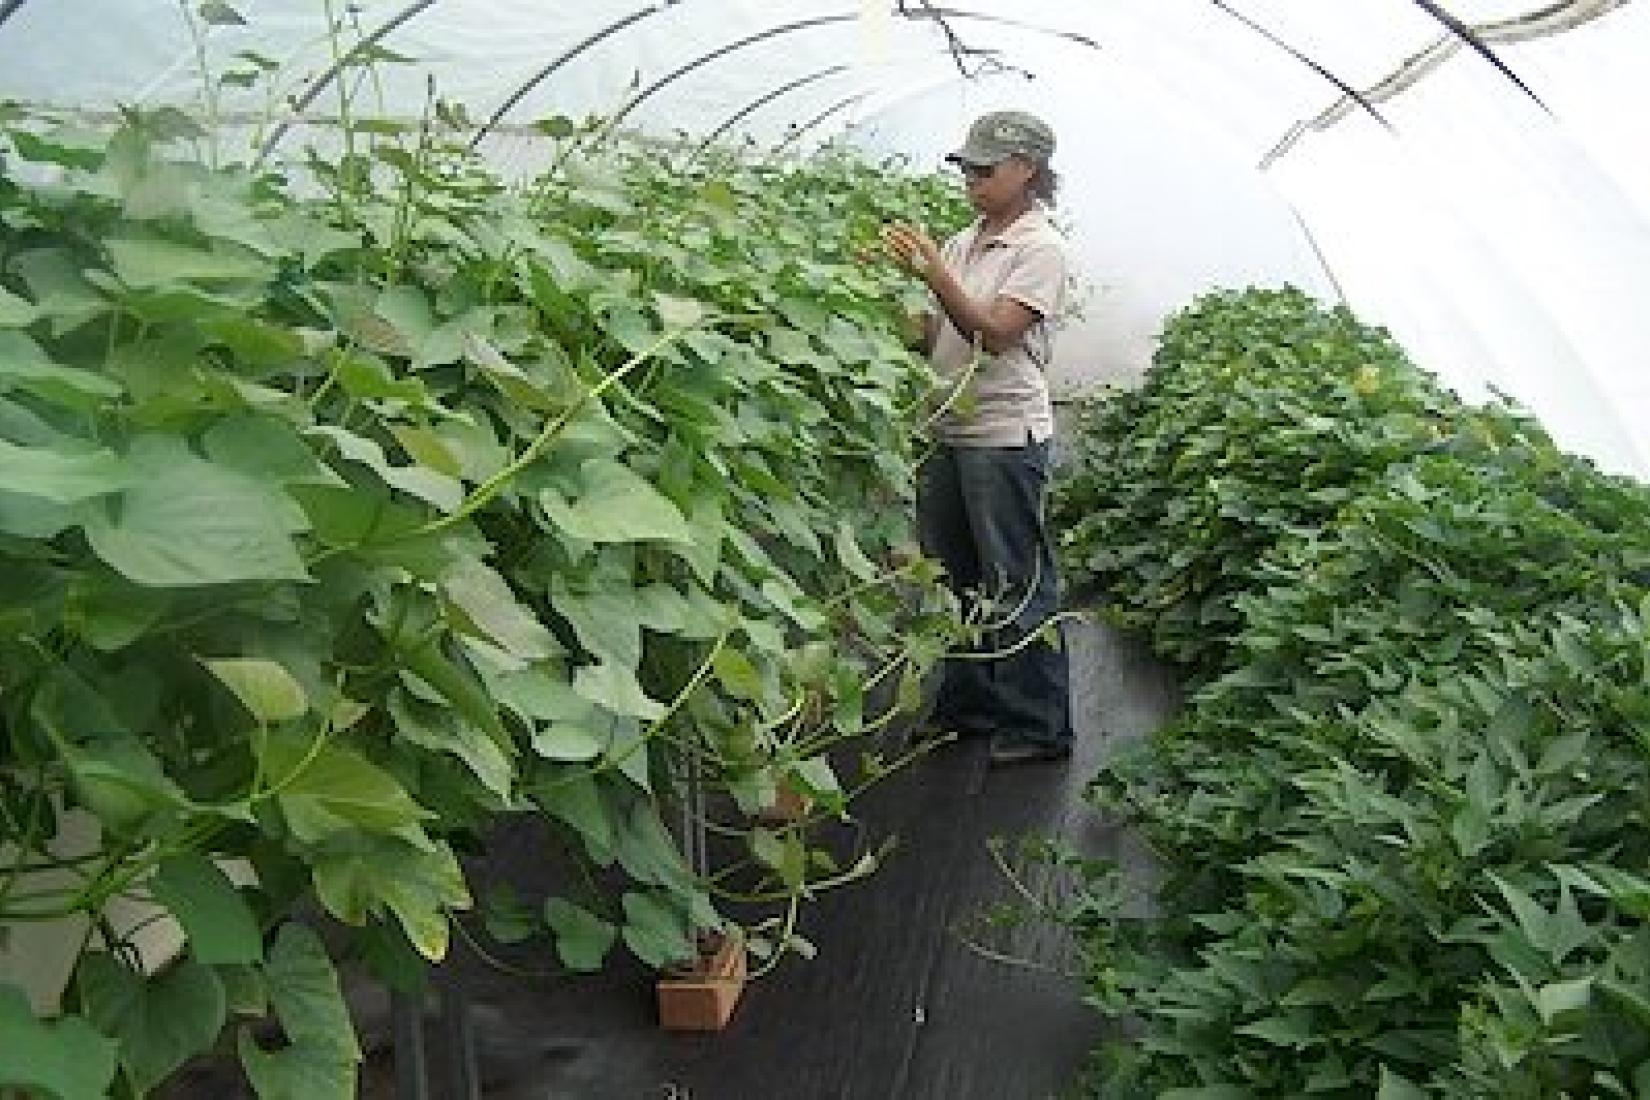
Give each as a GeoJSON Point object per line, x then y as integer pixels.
{"type": "Point", "coordinates": [1506, 242]}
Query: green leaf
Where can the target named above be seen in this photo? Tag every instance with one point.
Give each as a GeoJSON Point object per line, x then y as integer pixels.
{"type": "Point", "coordinates": [66, 1059]}
{"type": "Point", "coordinates": [1292, 1030]}
{"type": "Point", "coordinates": [555, 390]}
{"type": "Point", "coordinates": [616, 690]}
{"type": "Point", "coordinates": [320, 1061]}
{"type": "Point", "coordinates": [161, 1020]}
{"type": "Point", "coordinates": [418, 885]}
{"type": "Point", "coordinates": [184, 521]}
{"type": "Point", "coordinates": [784, 853]}
{"type": "Point", "coordinates": [646, 849]}
{"type": "Point", "coordinates": [1395, 1086]}
{"type": "Point", "coordinates": [1562, 998]}
{"type": "Point", "coordinates": [574, 797]}
{"type": "Point", "coordinates": [16, 312]}
{"type": "Point", "coordinates": [582, 938]}
{"type": "Point", "coordinates": [738, 675]}
{"type": "Point", "coordinates": [326, 789]}
{"type": "Point", "coordinates": [558, 127]}
{"type": "Point", "coordinates": [606, 621]}
{"type": "Point", "coordinates": [303, 987]}
{"type": "Point", "coordinates": [439, 730]}
{"type": "Point", "coordinates": [849, 554]}
{"type": "Point", "coordinates": [427, 485]}
{"type": "Point", "coordinates": [491, 610]}
{"type": "Point", "coordinates": [458, 685]}
{"type": "Point", "coordinates": [677, 312]}
{"type": "Point", "coordinates": [569, 743]}
{"type": "Point", "coordinates": [507, 918]}
{"type": "Point", "coordinates": [268, 449]}
{"type": "Point", "coordinates": [24, 366]}
{"type": "Point", "coordinates": [268, 691]}
{"type": "Point", "coordinates": [299, 1071]}
{"type": "Point", "coordinates": [220, 14]}
{"type": "Point", "coordinates": [59, 477]}
{"type": "Point", "coordinates": [214, 915]}
{"type": "Point", "coordinates": [614, 504]}
{"type": "Point", "coordinates": [120, 780]}
{"type": "Point", "coordinates": [157, 264]}
{"type": "Point", "coordinates": [655, 931]}
{"type": "Point", "coordinates": [110, 612]}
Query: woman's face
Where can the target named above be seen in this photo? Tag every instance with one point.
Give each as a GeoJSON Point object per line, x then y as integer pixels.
{"type": "Point", "coordinates": [996, 187]}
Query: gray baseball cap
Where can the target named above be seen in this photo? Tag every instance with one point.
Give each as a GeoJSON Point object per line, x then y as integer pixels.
{"type": "Point", "coordinates": [999, 135]}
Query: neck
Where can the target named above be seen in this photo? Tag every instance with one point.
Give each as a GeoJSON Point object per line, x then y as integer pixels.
{"type": "Point", "coordinates": [998, 220]}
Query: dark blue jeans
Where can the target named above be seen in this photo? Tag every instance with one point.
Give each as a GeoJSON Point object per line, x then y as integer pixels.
{"type": "Point", "coordinates": [980, 512]}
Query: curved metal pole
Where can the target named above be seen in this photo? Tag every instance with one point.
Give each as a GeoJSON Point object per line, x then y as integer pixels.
{"type": "Point", "coordinates": [835, 108]}
{"type": "Point", "coordinates": [544, 74]}
{"type": "Point", "coordinates": [820, 21]}
{"type": "Point", "coordinates": [9, 9]}
{"type": "Point", "coordinates": [705, 59]}
{"type": "Point", "coordinates": [1470, 37]}
{"type": "Point", "coordinates": [762, 101]}
{"type": "Point", "coordinates": [320, 83]}
{"type": "Point", "coordinates": [1345, 88]}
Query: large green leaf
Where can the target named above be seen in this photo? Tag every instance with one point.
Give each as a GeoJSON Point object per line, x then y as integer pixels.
{"type": "Point", "coordinates": [161, 1020]}
{"type": "Point", "coordinates": [328, 789]}
{"type": "Point", "coordinates": [267, 448]}
{"type": "Point", "coordinates": [303, 988]}
{"type": "Point", "coordinates": [491, 610]}
{"type": "Point", "coordinates": [606, 621]}
{"type": "Point", "coordinates": [582, 938]}
{"type": "Point", "coordinates": [614, 504]}
{"type": "Point", "coordinates": [214, 915]}
{"type": "Point", "coordinates": [616, 689]}
{"type": "Point", "coordinates": [60, 477]}
{"type": "Point", "coordinates": [267, 690]}
{"type": "Point", "coordinates": [573, 796]}
{"type": "Point", "coordinates": [65, 1059]}
{"type": "Point", "coordinates": [655, 931]}
{"type": "Point", "coordinates": [418, 885]}
{"type": "Point", "coordinates": [153, 263]}
{"type": "Point", "coordinates": [300, 1071]}
{"type": "Point", "coordinates": [185, 521]}
{"type": "Point", "coordinates": [320, 1061]}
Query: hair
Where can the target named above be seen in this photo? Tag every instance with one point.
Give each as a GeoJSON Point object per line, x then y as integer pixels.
{"type": "Point", "coordinates": [1045, 183]}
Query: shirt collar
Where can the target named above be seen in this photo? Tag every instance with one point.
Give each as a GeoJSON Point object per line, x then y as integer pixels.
{"type": "Point", "coordinates": [1026, 224]}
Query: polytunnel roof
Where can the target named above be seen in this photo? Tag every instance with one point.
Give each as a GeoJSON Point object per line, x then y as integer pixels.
{"type": "Point", "coordinates": [1473, 173]}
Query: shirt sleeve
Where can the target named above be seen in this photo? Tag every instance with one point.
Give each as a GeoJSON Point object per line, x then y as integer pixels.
{"type": "Point", "coordinates": [1037, 278]}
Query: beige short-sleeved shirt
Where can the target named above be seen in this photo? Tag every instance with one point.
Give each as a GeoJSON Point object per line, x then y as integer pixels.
{"type": "Point", "coordinates": [1006, 403]}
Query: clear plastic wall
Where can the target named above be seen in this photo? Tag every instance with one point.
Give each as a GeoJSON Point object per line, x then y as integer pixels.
{"type": "Point", "coordinates": [1485, 193]}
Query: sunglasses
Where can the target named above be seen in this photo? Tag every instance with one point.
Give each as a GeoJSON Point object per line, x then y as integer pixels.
{"type": "Point", "coordinates": [978, 171]}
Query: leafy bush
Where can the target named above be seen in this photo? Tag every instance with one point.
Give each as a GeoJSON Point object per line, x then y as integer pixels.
{"type": "Point", "coordinates": [1404, 826]}
{"type": "Point", "coordinates": [1263, 414]}
{"type": "Point", "coordinates": [348, 507]}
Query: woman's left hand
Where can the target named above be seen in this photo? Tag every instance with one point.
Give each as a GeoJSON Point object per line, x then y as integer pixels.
{"type": "Point", "coordinates": [912, 249]}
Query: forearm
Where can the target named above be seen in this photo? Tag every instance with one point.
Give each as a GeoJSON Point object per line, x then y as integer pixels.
{"type": "Point", "coordinates": [971, 318]}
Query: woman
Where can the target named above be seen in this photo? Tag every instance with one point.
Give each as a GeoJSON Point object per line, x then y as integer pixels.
{"type": "Point", "coordinates": [997, 287]}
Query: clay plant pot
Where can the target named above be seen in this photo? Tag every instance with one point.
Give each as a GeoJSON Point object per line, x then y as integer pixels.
{"type": "Point", "coordinates": [702, 995]}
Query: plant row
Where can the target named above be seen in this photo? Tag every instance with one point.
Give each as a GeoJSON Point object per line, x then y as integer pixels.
{"type": "Point", "coordinates": [1402, 820]}
{"type": "Point", "coordinates": [350, 507]}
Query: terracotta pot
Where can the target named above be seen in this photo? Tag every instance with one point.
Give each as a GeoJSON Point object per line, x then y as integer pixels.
{"type": "Point", "coordinates": [703, 995]}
